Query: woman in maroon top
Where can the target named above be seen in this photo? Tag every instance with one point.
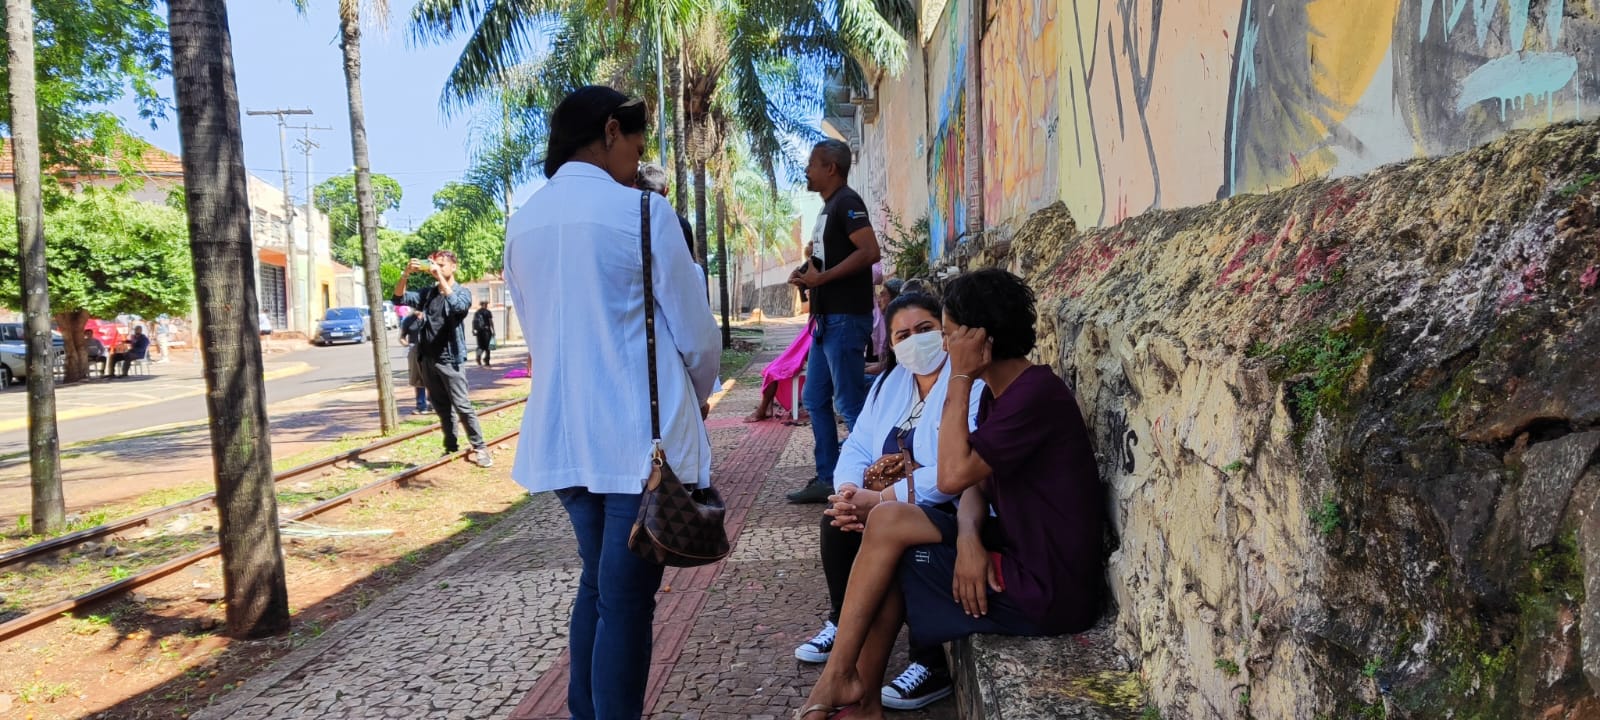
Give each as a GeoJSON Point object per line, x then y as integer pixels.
{"type": "Point", "coordinates": [1033, 567]}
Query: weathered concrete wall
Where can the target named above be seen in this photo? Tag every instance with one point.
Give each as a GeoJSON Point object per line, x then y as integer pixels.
{"type": "Point", "coordinates": [1351, 432]}
{"type": "Point", "coordinates": [1117, 107]}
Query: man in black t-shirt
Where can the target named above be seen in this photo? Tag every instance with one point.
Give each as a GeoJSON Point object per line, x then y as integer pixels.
{"type": "Point", "coordinates": [840, 286]}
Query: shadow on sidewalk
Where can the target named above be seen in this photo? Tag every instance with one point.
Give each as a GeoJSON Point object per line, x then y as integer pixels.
{"type": "Point", "coordinates": [232, 663]}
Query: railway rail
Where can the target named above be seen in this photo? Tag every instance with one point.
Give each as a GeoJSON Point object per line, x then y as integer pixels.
{"type": "Point", "coordinates": [55, 546]}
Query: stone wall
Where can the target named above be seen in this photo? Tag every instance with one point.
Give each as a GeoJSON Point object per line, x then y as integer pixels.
{"type": "Point", "coordinates": [779, 300]}
{"type": "Point", "coordinates": [1350, 430]}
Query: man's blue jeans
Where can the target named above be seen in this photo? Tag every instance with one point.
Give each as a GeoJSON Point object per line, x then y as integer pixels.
{"type": "Point", "coordinates": [611, 632]}
{"type": "Point", "coordinates": [835, 378]}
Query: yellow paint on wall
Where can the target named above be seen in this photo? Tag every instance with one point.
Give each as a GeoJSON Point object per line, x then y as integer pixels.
{"type": "Point", "coordinates": [1347, 41]}
{"type": "Point", "coordinates": [1078, 169]}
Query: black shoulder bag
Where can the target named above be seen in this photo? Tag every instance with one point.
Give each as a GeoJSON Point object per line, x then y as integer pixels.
{"type": "Point", "coordinates": [676, 526]}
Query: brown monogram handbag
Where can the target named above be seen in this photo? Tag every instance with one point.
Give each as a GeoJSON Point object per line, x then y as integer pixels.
{"type": "Point", "coordinates": [677, 526]}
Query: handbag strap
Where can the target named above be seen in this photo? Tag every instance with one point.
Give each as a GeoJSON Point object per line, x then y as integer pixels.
{"type": "Point", "coordinates": [650, 317]}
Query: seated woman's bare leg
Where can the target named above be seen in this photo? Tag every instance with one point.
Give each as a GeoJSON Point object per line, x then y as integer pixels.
{"type": "Point", "coordinates": [769, 393]}
{"type": "Point", "coordinates": [873, 609]}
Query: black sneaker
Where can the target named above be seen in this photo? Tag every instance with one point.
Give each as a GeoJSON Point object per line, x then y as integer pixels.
{"type": "Point", "coordinates": [815, 491]}
{"type": "Point", "coordinates": [917, 688]}
{"type": "Point", "coordinates": [817, 649]}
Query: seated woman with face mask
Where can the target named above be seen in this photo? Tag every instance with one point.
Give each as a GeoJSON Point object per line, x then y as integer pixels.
{"type": "Point", "coordinates": [892, 450]}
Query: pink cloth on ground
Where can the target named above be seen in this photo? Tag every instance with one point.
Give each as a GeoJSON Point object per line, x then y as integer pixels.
{"type": "Point", "coordinates": [785, 370]}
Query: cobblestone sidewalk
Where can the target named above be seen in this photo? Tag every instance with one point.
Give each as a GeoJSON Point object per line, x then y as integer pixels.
{"type": "Point", "coordinates": [483, 634]}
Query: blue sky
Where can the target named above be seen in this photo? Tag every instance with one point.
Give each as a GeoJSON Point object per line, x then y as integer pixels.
{"type": "Point", "coordinates": [284, 60]}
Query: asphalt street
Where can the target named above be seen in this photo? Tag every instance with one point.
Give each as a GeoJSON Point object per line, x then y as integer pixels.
{"type": "Point", "coordinates": [331, 367]}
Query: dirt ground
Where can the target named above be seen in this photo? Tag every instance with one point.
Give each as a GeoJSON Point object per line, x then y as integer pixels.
{"type": "Point", "coordinates": [159, 653]}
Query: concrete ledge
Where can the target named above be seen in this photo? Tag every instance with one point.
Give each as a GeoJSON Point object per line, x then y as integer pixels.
{"type": "Point", "coordinates": [1081, 677]}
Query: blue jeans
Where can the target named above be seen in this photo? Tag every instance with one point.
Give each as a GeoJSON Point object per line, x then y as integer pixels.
{"type": "Point", "coordinates": [422, 399]}
{"type": "Point", "coordinates": [611, 632]}
{"type": "Point", "coordinates": [835, 378]}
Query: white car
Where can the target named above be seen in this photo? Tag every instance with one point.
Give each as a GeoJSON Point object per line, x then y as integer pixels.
{"type": "Point", "coordinates": [391, 319]}
{"type": "Point", "coordinates": [14, 362]}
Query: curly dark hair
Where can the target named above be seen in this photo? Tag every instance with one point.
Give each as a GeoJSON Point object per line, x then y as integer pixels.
{"type": "Point", "coordinates": [1000, 303]}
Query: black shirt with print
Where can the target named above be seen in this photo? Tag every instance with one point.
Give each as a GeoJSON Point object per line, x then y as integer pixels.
{"type": "Point", "coordinates": [843, 214]}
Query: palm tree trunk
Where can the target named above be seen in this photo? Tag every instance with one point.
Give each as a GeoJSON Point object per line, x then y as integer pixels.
{"type": "Point", "coordinates": [679, 167]}
{"type": "Point", "coordinates": [44, 448]}
{"type": "Point", "coordinates": [350, 41]}
{"type": "Point", "coordinates": [225, 288]}
{"type": "Point", "coordinates": [722, 260]}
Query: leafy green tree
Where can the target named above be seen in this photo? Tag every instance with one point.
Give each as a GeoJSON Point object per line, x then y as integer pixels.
{"type": "Point", "coordinates": [336, 197]}
{"type": "Point", "coordinates": [90, 54]}
{"type": "Point", "coordinates": [738, 62]}
{"type": "Point", "coordinates": [72, 58]}
{"type": "Point", "coordinates": [467, 221]}
{"type": "Point", "coordinates": [109, 254]}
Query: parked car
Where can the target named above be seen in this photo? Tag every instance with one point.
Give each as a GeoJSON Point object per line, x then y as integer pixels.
{"type": "Point", "coordinates": [391, 319]}
{"type": "Point", "coordinates": [13, 332]}
{"type": "Point", "coordinates": [343, 324]}
{"type": "Point", "coordinates": [14, 361]}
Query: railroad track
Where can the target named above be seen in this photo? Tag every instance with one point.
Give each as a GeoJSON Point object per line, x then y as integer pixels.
{"type": "Point", "coordinates": [50, 548]}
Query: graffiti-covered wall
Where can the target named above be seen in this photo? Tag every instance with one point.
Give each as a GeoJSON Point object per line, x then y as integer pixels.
{"type": "Point", "coordinates": [947, 57]}
{"type": "Point", "coordinates": [1116, 107]}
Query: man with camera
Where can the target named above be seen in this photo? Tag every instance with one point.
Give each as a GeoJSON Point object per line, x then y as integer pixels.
{"type": "Point", "coordinates": [442, 347]}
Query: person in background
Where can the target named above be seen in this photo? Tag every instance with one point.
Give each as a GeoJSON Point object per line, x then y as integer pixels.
{"type": "Point", "coordinates": [95, 349]}
{"type": "Point", "coordinates": [408, 337]}
{"type": "Point", "coordinates": [841, 310]}
{"type": "Point", "coordinates": [574, 268]}
{"type": "Point", "coordinates": [136, 348]}
{"type": "Point", "coordinates": [653, 177]}
{"type": "Point", "coordinates": [442, 348]}
{"type": "Point", "coordinates": [265, 323]}
{"type": "Point", "coordinates": [483, 332]}
{"type": "Point", "coordinates": [164, 338]}
{"type": "Point", "coordinates": [878, 354]}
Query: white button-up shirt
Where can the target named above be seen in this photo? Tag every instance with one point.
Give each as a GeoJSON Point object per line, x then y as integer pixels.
{"type": "Point", "coordinates": [573, 267]}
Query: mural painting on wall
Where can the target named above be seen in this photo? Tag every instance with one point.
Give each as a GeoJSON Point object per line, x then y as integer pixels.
{"type": "Point", "coordinates": [947, 166]}
{"type": "Point", "coordinates": [1020, 116]}
{"type": "Point", "coordinates": [1174, 104]}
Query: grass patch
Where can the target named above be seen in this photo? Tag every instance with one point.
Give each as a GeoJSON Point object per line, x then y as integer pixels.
{"type": "Point", "coordinates": [1320, 367]}
{"type": "Point", "coordinates": [1228, 667]}
{"type": "Point", "coordinates": [1578, 185]}
{"type": "Point", "coordinates": [43, 692]}
{"type": "Point", "coordinates": [1327, 517]}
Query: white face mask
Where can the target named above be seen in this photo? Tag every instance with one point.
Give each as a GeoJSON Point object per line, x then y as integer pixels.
{"type": "Point", "coordinates": [922, 353]}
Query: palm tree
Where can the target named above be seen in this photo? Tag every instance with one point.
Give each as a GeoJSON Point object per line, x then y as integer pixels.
{"type": "Point", "coordinates": [44, 449]}
{"type": "Point", "coordinates": [760, 221]}
{"type": "Point", "coordinates": [350, 13]}
{"type": "Point", "coordinates": [219, 239]}
{"type": "Point", "coordinates": [731, 52]}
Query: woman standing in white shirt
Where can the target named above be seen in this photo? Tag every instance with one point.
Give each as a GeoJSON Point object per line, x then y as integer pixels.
{"type": "Point", "coordinates": [573, 267]}
{"type": "Point", "coordinates": [902, 410]}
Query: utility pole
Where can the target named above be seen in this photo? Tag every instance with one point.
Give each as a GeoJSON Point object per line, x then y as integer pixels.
{"type": "Point", "coordinates": [308, 146]}
{"type": "Point", "coordinates": [294, 273]}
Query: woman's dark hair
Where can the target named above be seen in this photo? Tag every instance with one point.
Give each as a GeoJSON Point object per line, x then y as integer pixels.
{"type": "Point", "coordinates": [1000, 303]}
{"type": "Point", "coordinates": [907, 300]}
{"type": "Point", "coordinates": [581, 119]}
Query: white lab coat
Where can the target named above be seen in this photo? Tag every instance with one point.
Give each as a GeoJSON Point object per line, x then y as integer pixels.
{"type": "Point", "coordinates": [886, 406]}
{"type": "Point", "coordinates": [573, 268]}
